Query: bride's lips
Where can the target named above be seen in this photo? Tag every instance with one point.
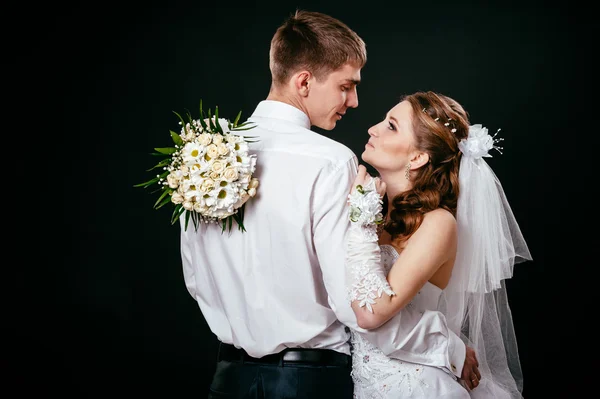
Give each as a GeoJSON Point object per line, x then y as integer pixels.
{"type": "Point", "coordinates": [369, 144]}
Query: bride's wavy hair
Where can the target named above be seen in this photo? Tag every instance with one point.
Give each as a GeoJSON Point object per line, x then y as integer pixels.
{"type": "Point", "coordinates": [439, 123]}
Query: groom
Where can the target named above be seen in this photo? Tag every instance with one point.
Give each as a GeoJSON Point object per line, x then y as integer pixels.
{"type": "Point", "coordinates": [275, 295]}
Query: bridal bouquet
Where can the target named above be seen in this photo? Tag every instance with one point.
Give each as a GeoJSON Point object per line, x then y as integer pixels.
{"type": "Point", "coordinates": [208, 172]}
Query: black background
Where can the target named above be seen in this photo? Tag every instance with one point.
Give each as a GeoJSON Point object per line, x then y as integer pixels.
{"type": "Point", "coordinates": [109, 312]}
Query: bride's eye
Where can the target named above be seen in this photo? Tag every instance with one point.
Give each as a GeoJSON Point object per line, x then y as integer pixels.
{"type": "Point", "coordinates": [390, 126]}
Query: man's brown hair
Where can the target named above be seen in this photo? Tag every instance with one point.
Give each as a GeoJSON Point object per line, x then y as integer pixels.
{"type": "Point", "coordinates": [316, 42]}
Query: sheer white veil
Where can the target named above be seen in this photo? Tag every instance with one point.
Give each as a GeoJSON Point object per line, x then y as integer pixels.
{"type": "Point", "coordinates": [490, 243]}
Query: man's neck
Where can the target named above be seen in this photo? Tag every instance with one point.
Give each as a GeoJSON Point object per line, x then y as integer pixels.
{"type": "Point", "coordinates": [286, 98]}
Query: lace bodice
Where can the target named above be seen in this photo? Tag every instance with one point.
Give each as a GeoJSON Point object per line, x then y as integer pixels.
{"type": "Point", "coordinates": [376, 375]}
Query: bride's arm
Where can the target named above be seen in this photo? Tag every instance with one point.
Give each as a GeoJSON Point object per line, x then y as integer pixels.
{"type": "Point", "coordinates": [409, 335]}
{"type": "Point", "coordinates": [432, 245]}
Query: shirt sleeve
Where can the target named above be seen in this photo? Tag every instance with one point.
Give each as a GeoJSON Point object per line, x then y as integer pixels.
{"type": "Point", "coordinates": [418, 337]}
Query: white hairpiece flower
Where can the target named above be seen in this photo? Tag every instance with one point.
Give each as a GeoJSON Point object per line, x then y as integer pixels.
{"type": "Point", "coordinates": [478, 143]}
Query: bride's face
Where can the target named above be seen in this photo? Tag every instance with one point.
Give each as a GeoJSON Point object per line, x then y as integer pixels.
{"type": "Point", "coordinates": [391, 143]}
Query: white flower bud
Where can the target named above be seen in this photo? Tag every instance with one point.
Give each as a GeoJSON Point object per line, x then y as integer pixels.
{"type": "Point", "coordinates": [176, 197]}
{"type": "Point", "coordinates": [253, 183]}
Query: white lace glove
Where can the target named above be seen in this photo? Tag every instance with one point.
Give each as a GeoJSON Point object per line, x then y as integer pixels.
{"type": "Point", "coordinates": [365, 275]}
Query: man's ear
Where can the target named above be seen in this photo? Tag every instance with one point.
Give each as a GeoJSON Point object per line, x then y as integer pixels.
{"type": "Point", "coordinates": [419, 159]}
{"type": "Point", "coordinates": [301, 82]}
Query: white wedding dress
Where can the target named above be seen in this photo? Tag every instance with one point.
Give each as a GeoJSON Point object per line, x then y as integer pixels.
{"type": "Point", "coordinates": [377, 376]}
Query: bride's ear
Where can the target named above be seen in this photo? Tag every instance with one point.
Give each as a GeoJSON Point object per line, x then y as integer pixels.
{"type": "Point", "coordinates": [419, 159]}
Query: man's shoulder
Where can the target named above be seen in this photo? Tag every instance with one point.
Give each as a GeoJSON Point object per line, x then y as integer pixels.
{"type": "Point", "coordinates": [297, 140]}
{"type": "Point", "coordinates": [332, 149]}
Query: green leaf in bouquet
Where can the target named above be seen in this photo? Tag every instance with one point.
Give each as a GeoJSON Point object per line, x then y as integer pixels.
{"type": "Point", "coordinates": [202, 123]}
{"type": "Point", "coordinates": [239, 218]}
{"type": "Point", "coordinates": [177, 211]}
{"type": "Point", "coordinates": [153, 180]}
{"type": "Point", "coordinates": [161, 164]}
{"type": "Point", "coordinates": [243, 127]}
{"type": "Point", "coordinates": [210, 121]}
{"type": "Point", "coordinates": [180, 119]}
{"type": "Point", "coordinates": [189, 116]}
{"type": "Point", "coordinates": [217, 124]}
{"type": "Point", "coordinates": [161, 201]}
{"type": "Point", "coordinates": [237, 118]}
{"type": "Point", "coordinates": [187, 219]}
{"type": "Point", "coordinates": [166, 150]}
{"type": "Point", "coordinates": [147, 183]}
{"type": "Point", "coordinates": [176, 138]}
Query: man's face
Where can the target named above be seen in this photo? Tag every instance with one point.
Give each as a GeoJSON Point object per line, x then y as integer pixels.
{"type": "Point", "coordinates": [328, 100]}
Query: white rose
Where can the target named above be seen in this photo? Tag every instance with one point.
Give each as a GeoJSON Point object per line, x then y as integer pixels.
{"type": "Point", "coordinates": [217, 139]}
{"type": "Point", "coordinates": [212, 151]}
{"type": "Point", "coordinates": [214, 175]}
{"type": "Point", "coordinates": [176, 198]}
{"type": "Point", "coordinates": [218, 166]}
{"type": "Point", "coordinates": [223, 149]}
{"type": "Point", "coordinates": [205, 139]}
{"type": "Point", "coordinates": [172, 180]}
{"type": "Point", "coordinates": [188, 205]}
{"type": "Point", "coordinates": [230, 174]}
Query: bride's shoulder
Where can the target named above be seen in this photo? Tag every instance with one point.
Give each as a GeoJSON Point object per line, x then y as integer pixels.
{"type": "Point", "coordinates": [439, 222]}
{"type": "Point", "coordinates": [439, 216]}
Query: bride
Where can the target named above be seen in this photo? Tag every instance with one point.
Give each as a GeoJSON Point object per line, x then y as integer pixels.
{"type": "Point", "coordinates": [442, 239]}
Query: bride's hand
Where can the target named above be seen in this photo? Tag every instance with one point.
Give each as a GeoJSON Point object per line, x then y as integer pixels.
{"type": "Point", "coordinates": [363, 179]}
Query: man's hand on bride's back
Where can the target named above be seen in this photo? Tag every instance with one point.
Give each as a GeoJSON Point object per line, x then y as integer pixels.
{"type": "Point", "coordinates": [470, 372]}
{"type": "Point", "coordinates": [363, 179]}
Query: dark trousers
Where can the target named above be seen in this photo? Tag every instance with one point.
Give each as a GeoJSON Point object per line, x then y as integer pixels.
{"type": "Point", "coordinates": [292, 373]}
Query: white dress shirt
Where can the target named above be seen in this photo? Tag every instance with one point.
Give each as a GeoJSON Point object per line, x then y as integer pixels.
{"type": "Point", "coordinates": [282, 282]}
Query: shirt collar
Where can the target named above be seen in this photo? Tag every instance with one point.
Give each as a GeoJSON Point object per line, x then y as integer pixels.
{"type": "Point", "coordinates": [279, 110]}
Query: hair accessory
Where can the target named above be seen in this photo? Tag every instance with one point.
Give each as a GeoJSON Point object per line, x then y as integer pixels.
{"type": "Point", "coordinates": [478, 143]}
